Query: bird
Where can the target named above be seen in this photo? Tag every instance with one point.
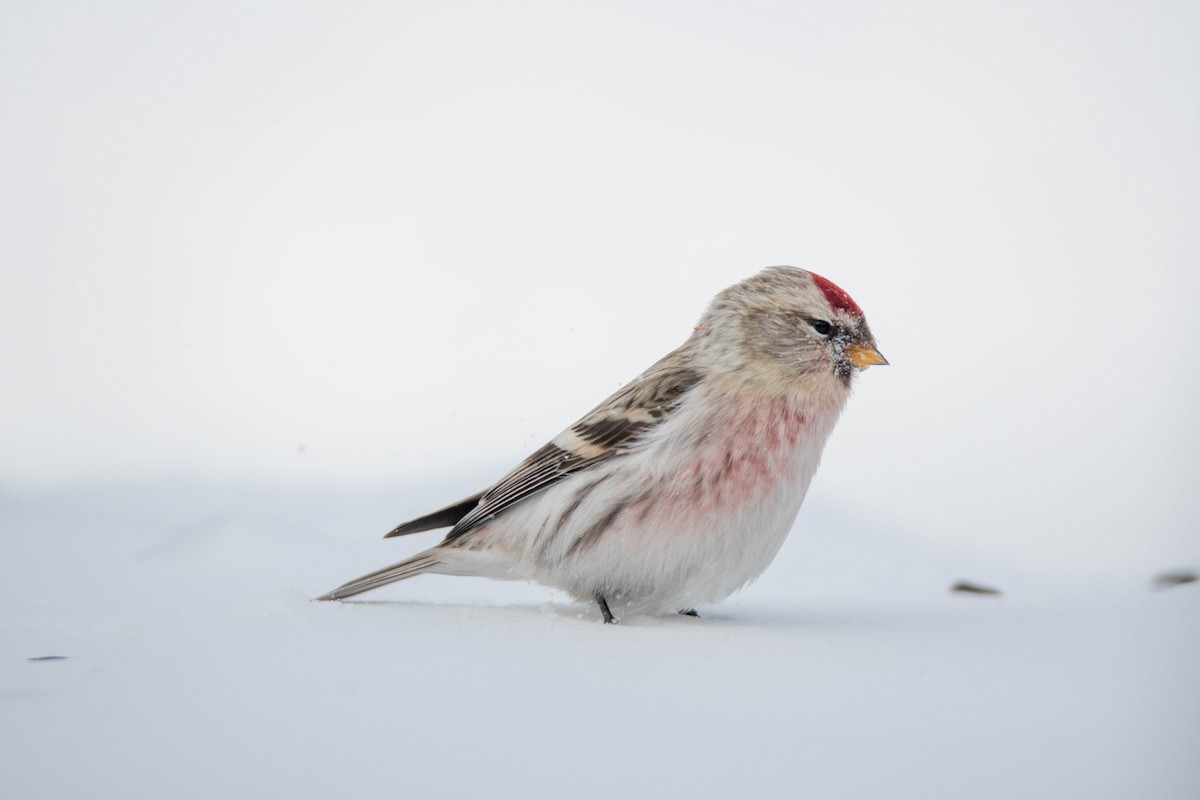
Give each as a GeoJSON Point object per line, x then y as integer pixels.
{"type": "Point", "coordinates": [679, 488]}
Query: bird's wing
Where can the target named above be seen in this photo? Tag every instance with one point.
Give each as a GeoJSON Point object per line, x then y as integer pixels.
{"type": "Point", "coordinates": [614, 428]}
{"type": "Point", "coordinates": [442, 518]}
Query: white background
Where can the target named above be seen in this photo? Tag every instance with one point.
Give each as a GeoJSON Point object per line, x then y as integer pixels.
{"type": "Point", "coordinates": [299, 244]}
{"type": "Point", "coordinates": [359, 259]}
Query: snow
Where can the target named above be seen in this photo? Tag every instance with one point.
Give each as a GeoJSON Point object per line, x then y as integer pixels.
{"type": "Point", "coordinates": [196, 665]}
{"type": "Point", "coordinates": [277, 277]}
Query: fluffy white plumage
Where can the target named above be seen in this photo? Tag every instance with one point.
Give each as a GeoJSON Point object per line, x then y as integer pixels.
{"type": "Point", "coordinates": [679, 488]}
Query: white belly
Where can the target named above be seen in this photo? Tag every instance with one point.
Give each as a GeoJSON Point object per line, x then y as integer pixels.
{"type": "Point", "coordinates": [668, 529]}
{"type": "Point", "coordinates": [681, 551]}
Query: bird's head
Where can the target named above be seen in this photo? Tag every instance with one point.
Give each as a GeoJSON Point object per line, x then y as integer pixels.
{"type": "Point", "coordinates": [790, 324]}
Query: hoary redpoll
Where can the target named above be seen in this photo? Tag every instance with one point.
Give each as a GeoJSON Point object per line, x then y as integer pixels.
{"type": "Point", "coordinates": [680, 488]}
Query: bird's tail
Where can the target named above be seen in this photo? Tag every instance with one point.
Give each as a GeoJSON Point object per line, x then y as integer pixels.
{"type": "Point", "coordinates": [421, 562]}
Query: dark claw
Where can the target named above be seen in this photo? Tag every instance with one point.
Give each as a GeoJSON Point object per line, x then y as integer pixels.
{"type": "Point", "coordinates": [689, 612]}
{"type": "Point", "coordinates": [608, 617]}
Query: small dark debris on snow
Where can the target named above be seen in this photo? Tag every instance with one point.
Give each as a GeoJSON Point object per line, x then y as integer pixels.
{"type": "Point", "coordinates": [966, 587]}
{"type": "Point", "coordinates": [1177, 577]}
{"type": "Point", "coordinates": [47, 658]}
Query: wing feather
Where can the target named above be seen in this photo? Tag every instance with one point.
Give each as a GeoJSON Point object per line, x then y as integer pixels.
{"type": "Point", "coordinates": [442, 518]}
{"type": "Point", "coordinates": [614, 428]}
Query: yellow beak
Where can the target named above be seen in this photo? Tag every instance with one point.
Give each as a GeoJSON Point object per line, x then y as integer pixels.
{"type": "Point", "coordinates": [863, 356]}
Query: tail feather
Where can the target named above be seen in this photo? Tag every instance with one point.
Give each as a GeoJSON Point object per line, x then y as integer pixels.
{"type": "Point", "coordinates": [421, 562]}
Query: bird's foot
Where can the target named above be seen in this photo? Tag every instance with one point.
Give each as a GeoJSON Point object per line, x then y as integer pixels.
{"type": "Point", "coordinates": [690, 612]}
{"type": "Point", "coordinates": [609, 619]}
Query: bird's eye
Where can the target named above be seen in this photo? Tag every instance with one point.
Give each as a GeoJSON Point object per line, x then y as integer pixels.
{"type": "Point", "coordinates": [822, 327]}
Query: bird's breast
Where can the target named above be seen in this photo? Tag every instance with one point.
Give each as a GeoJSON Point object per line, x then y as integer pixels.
{"type": "Point", "coordinates": [718, 510]}
{"type": "Point", "coordinates": [745, 454]}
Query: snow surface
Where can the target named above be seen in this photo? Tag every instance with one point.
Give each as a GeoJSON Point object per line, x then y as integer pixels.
{"type": "Point", "coordinates": [195, 665]}
{"type": "Point", "coordinates": [336, 247]}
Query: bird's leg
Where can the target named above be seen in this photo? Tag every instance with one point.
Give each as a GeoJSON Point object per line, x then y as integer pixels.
{"type": "Point", "coordinates": [689, 612]}
{"type": "Point", "coordinates": [608, 617]}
